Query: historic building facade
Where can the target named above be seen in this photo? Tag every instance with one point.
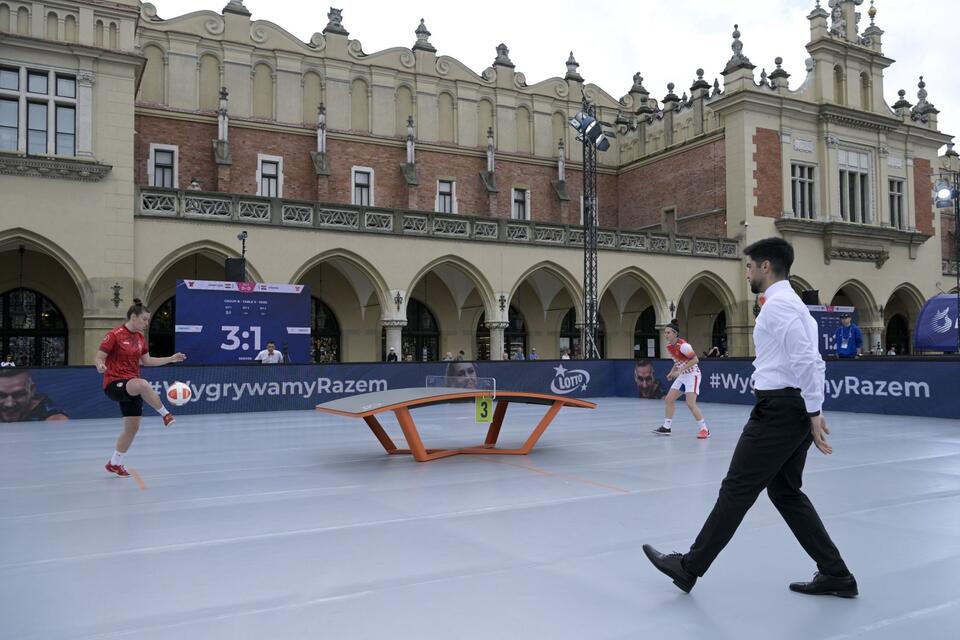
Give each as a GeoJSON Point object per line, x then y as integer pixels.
{"type": "Point", "coordinates": [433, 208]}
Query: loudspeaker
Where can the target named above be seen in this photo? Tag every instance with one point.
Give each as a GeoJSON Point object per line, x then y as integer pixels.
{"type": "Point", "coordinates": [236, 270]}
{"type": "Point", "coordinates": [810, 296]}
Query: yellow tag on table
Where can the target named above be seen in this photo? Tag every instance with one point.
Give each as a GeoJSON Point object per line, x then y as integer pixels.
{"type": "Point", "coordinates": [484, 409]}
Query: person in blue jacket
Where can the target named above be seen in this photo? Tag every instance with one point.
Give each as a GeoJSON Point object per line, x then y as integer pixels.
{"type": "Point", "coordinates": [848, 338]}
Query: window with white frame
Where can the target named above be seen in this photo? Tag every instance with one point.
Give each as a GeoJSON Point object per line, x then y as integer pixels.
{"type": "Point", "coordinates": [597, 210]}
{"type": "Point", "coordinates": [521, 204]}
{"type": "Point", "coordinates": [162, 166]}
{"type": "Point", "coordinates": [446, 196]}
{"type": "Point", "coordinates": [898, 213]}
{"type": "Point", "coordinates": [38, 111]}
{"type": "Point", "coordinates": [269, 176]}
{"type": "Point", "coordinates": [362, 180]}
{"type": "Point", "coordinates": [802, 190]}
{"type": "Point", "coordinates": [855, 205]}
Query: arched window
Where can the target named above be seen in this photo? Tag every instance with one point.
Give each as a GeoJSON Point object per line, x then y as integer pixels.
{"type": "Point", "coordinates": [359, 106]}
{"type": "Point", "coordinates": [898, 334]}
{"type": "Point", "coordinates": [514, 336]}
{"type": "Point", "coordinates": [33, 329]}
{"type": "Point", "coordinates": [446, 117]}
{"type": "Point", "coordinates": [209, 83]}
{"type": "Point", "coordinates": [160, 336]}
{"type": "Point", "coordinates": [865, 102]}
{"type": "Point", "coordinates": [523, 130]}
{"type": "Point", "coordinates": [570, 335]}
{"type": "Point", "coordinates": [404, 108]}
{"type": "Point", "coordinates": [839, 91]}
{"type": "Point", "coordinates": [325, 331]}
{"type": "Point", "coordinates": [719, 333]}
{"type": "Point", "coordinates": [421, 337]}
{"type": "Point", "coordinates": [646, 340]}
{"type": "Point", "coordinates": [484, 121]}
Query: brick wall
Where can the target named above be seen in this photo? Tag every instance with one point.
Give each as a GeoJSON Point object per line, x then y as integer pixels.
{"type": "Point", "coordinates": [948, 238]}
{"type": "Point", "coordinates": [692, 181]}
{"type": "Point", "coordinates": [390, 189]}
{"type": "Point", "coordinates": [923, 190]}
{"type": "Point", "coordinates": [767, 173]}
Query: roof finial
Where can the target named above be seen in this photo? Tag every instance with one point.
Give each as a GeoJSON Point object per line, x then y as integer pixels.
{"type": "Point", "coordinates": [572, 66]}
{"type": "Point", "coordinates": [738, 60]}
{"type": "Point", "coordinates": [423, 38]}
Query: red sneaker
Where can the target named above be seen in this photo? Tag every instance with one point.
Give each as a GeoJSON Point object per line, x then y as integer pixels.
{"type": "Point", "coordinates": [118, 469]}
{"type": "Point", "coordinates": [168, 420]}
{"type": "Point", "coordinates": [703, 433]}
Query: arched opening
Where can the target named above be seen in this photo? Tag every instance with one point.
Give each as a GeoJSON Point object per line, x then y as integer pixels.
{"type": "Point", "coordinates": [646, 339]}
{"type": "Point", "coordinates": [719, 334]}
{"type": "Point", "coordinates": [161, 335]}
{"type": "Point", "coordinates": [325, 332]}
{"type": "Point", "coordinates": [209, 98]}
{"type": "Point", "coordinates": [865, 102]}
{"type": "Point", "coordinates": [404, 109]}
{"type": "Point", "coordinates": [839, 91]}
{"type": "Point", "coordinates": [359, 106]}
{"type": "Point", "coordinates": [32, 329]}
{"type": "Point", "coordinates": [898, 334]}
{"type": "Point", "coordinates": [446, 118]}
{"type": "Point", "coordinates": [699, 313]}
{"type": "Point", "coordinates": [570, 338]}
{"type": "Point", "coordinates": [514, 336]}
{"type": "Point", "coordinates": [421, 337]}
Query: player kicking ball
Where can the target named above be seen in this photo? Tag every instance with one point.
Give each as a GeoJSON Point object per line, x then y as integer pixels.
{"type": "Point", "coordinates": [119, 357]}
{"type": "Point", "coordinates": [686, 375]}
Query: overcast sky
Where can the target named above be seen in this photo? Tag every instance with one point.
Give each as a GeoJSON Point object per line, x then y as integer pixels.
{"type": "Point", "coordinates": [665, 41]}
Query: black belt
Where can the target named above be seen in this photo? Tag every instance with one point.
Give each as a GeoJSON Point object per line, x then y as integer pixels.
{"type": "Point", "coordinates": [789, 392]}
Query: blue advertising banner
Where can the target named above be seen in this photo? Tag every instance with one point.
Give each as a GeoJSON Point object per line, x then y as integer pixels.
{"type": "Point", "coordinates": [937, 324]}
{"type": "Point", "coordinates": [894, 386]}
{"type": "Point", "coordinates": [828, 321]}
{"type": "Point", "coordinates": [231, 322]}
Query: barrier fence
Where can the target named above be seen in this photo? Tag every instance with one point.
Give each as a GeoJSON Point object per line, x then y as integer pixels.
{"type": "Point", "coordinates": [929, 388]}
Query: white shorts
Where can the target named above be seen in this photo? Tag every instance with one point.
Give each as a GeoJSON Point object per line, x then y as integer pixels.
{"type": "Point", "coordinates": [690, 381]}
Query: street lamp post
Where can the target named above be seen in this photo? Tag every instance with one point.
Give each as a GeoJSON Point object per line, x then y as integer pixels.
{"type": "Point", "coordinates": [947, 190]}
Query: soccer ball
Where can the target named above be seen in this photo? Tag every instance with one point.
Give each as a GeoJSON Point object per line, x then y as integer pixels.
{"type": "Point", "coordinates": [179, 394]}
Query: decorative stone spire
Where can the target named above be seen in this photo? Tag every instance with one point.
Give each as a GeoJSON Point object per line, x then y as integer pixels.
{"type": "Point", "coordinates": [335, 22]}
{"type": "Point", "coordinates": [572, 66]}
{"type": "Point", "coordinates": [779, 72]}
{"type": "Point", "coordinates": [763, 78]}
{"type": "Point", "coordinates": [423, 38]}
{"type": "Point", "coordinates": [950, 153]}
{"type": "Point", "coordinates": [738, 60]}
{"type": "Point", "coordinates": [671, 99]}
{"type": "Point", "coordinates": [699, 83]}
{"type": "Point", "coordinates": [923, 108]}
{"type": "Point", "coordinates": [638, 84]}
{"type": "Point", "coordinates": [503, 57]}
{"type": "Point", "coordinates": [716, 88]}
{"type": "Point", "coordinates": [236, 6]}
{"type": "Point", "coordinates": [818, 12]}
{"type": "Point", "coordinates": [902, 106]}
{"type": "Point", "coordinates": [871, 36]}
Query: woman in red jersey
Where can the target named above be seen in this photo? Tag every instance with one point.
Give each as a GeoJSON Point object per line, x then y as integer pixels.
{"type": "Point", "coordinates": [119, 357]}
{"type": "Point", "coordinates": [685, 374]}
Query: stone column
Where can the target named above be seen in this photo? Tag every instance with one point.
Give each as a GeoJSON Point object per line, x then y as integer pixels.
{"type": "Point", "coordinates": [85, 82]}
{"type": "Point", "coordinates": [496, 338]}
{"type": "Point", "coordinates": [394, 333]}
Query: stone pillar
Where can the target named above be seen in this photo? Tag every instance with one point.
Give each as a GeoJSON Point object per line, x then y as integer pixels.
{"type": "Point", "coordinates": [394, 334]}
{"type": "Point", "coordinates": [875, 335]}
{"type": "Point", "coordinates": [85, 82]}
{"type": "Point", "coordinates": [496, 338]}
{"type": "Point", "coordinates": [321, 165]}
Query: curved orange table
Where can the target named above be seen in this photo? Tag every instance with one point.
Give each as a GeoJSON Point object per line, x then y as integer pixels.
{"type": "Point", "coordinates": [401, 401]}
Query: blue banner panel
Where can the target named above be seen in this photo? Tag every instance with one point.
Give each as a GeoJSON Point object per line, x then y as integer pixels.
{"type": "Point", "coordinates": [828, 321]}
{"type": "Point", "coordinates": [937, 324]}
{"type": "Point", "coordinates": [903, 387]}
{"type": "Point", "coordinates": [231, 322]}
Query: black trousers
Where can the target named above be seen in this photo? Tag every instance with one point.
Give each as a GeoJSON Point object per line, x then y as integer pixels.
{"type": "Point", "coordinates": [770, 455]}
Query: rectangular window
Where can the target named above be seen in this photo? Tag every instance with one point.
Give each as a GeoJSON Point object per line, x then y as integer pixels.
{"type": "Point", "coordinates": [855, 205]}
{"type": "Point", "coordinates": [163, 163]}
{"type": "Point", "coordinates": [66, 87]}
{"type": "Point", "coordinates": [269, 179]}
{"type": "Point", "coordinates": [520, 202]}
{"type": "Point", "coordinates": [9, 79]}
{"type": "Point", "coordinates": [361, 188]}
{"type": "Point", "coordinates": [898, 216]}
{"type": "Point", "coordinates": [445, 197]}
{"type": "Point", "coordinates": [66, 131]}
{"type": "Point", "coordinates": [9, 124]}
{"type": "Point", "coordinates": [37, 82]}
{"type": "Point", "coordinates": [36, 128]}
{"type": "Point", "coordinates": [802, 190]}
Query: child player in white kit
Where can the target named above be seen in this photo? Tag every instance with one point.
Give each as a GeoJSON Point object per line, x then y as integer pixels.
{"type": "Point", "coordinates": [686, 375]}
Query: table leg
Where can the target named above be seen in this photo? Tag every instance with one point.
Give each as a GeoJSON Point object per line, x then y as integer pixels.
{"type": "Point", "coordinates": [494, 431]}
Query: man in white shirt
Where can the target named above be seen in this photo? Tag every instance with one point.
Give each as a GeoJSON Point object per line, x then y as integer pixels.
{"type": "Point", "coordinates": [788, 382]}
{"type": "Point", "coordinates": [270, 355]}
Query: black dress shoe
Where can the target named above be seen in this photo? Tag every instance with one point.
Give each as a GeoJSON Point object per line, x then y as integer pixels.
{"type": "Point", "coordinates": [824, 585]}
{"type": "Point", "coordinates": [672, 565]}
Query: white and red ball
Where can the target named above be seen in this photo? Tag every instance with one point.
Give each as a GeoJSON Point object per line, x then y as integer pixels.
{"type": "Point", "coordinates": [179, 394]}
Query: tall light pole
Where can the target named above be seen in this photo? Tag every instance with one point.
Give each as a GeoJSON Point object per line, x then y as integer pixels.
{"type": "Point", "coordinates": [948, 189]}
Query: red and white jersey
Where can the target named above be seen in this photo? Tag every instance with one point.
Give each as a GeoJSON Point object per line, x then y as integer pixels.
{"type": "Point", "coordinates": [682, 352]}
{"type": "Point", "coordinates": [124, 349]}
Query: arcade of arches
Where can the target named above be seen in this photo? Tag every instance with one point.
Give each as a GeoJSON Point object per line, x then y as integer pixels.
{"type": "Point", "coordinates": [445, 309]}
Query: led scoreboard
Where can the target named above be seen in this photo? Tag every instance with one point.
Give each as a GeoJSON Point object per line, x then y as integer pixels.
{"type": "Point", "coordinates": [231, 322]}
